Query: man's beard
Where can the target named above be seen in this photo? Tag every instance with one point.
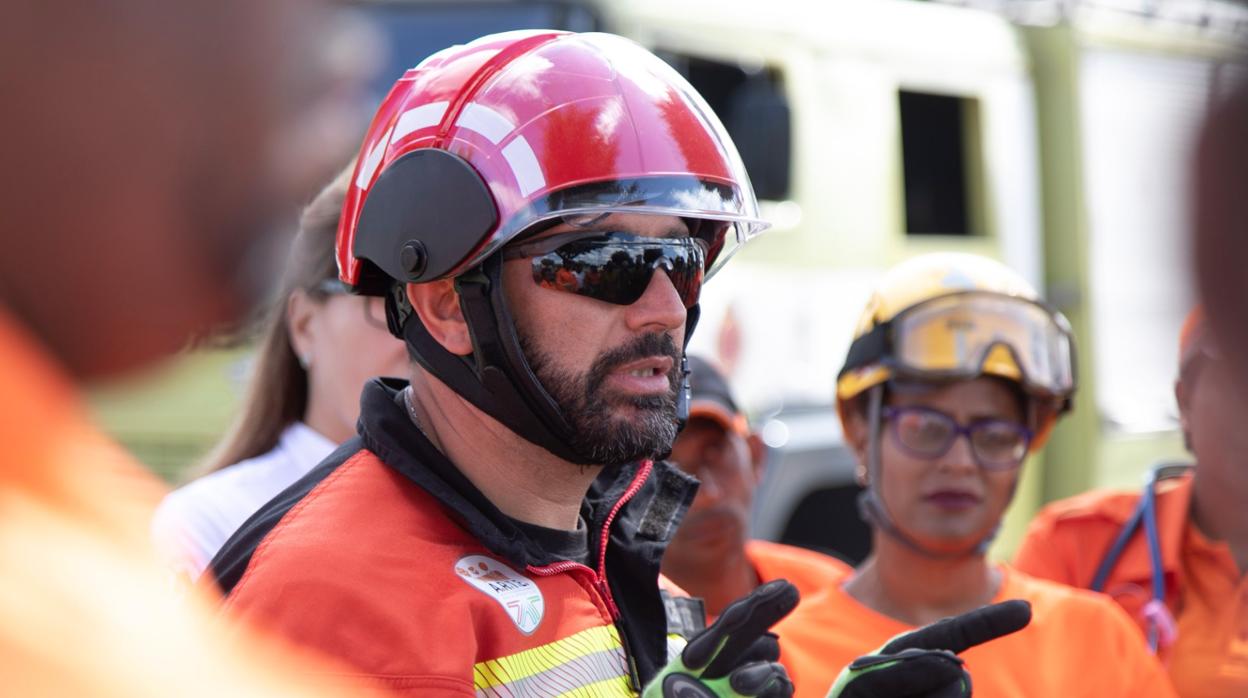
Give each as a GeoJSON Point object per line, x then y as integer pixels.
{"type": "Point", "coordinates": [597, 433]}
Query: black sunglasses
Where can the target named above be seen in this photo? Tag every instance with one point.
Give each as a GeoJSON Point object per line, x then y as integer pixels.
{"type": "Point", "coordinates": [614, 266]}
{"type": "Point", "coordinates": [374, 306]}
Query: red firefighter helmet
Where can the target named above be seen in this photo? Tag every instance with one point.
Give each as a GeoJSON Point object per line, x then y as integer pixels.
{"type": "Point", "coordinates": [483, 142]}
{"type": "Point", "coordinates": [505, 136]}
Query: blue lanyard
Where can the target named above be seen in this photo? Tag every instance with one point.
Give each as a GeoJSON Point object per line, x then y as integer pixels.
{"type": "Point", "coordinates": [1145, 515]}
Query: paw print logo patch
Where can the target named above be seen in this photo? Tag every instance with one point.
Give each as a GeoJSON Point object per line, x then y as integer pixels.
{"type": "Point", "coordinates": [517, 594]}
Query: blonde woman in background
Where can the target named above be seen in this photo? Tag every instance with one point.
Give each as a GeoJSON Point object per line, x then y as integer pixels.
{"type": "Point", "coordinates": [317, 347]}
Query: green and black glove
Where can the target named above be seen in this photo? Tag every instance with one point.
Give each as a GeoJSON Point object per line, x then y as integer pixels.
{"type": "Point", "coordinates": [736, 656]}
{"type": "Point", "coordinates": [924, 663]}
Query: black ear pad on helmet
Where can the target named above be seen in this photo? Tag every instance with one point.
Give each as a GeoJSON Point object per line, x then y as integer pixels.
{"type": "Point", "coordinates": [426, 212]}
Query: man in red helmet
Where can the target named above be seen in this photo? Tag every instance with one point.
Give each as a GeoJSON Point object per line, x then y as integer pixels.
{"type": "Point", "coordinates": [465, 542]}
{"type": "Point", "coordinates": [539, 210]}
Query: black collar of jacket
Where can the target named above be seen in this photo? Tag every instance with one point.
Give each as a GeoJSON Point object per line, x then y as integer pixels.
{"type": "Point", "coordinates": [642, 527]}
{"type": "Point", "coordinates": [638, 534]}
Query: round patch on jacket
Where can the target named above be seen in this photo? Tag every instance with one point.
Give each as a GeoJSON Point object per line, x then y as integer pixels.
{"type": "Point", "coordinates": [519, 596]}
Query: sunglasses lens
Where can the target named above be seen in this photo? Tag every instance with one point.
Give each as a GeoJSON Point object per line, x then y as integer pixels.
{"type": "Point", "coordinates": [617, 267]}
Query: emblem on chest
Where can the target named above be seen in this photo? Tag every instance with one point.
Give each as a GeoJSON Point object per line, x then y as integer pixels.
{"type": "Point", "coordinates": [518, 595]}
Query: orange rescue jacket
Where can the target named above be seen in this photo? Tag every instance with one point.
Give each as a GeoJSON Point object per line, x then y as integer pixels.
{"type": "Point", "coordinates": [403, 570]}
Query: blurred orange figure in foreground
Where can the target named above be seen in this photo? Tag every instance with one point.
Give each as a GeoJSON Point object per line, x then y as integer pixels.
{"type": "Point", "coordinates": [139, 138]}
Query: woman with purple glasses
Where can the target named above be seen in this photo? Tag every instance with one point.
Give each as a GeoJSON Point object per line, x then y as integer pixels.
{"type": "Point", "coordinates": [957, 371]}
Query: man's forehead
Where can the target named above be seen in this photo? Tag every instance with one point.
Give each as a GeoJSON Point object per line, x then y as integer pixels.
{"type": "Point", "coordinates": [644, 224]}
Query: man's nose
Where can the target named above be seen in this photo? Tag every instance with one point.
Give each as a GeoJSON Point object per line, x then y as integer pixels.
{"type": "Point", "coordinates": [660, 307]}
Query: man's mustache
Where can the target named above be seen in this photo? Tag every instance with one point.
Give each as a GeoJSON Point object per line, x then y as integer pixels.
{"type": "Point", "coordinates": [643, 347]}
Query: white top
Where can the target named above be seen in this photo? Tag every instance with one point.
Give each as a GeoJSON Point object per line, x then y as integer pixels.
{"type": "Point", "coordinates": [194, 521]}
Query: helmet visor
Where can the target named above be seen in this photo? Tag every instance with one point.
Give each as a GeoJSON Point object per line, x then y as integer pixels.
{"type": "Point", "coordinates": [967, 334]}
{"type": "Point", "coordinates": [589, 124]}
{"type": "Point", "coordinates": [716, 213]}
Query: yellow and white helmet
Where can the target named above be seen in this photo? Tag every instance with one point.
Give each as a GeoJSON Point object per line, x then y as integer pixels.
{"type": "Point", "coordinates": [953, 316]}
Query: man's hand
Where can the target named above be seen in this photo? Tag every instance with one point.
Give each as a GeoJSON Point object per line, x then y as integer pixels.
{"type": "Point", "coordinates": [925, 663]}
{"type": "Point", "coordinates": [736, 656]}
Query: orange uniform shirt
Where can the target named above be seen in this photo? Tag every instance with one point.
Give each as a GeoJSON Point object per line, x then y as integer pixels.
{"type": "Point", "coordinates": [85, 607]}
{"type": "Point", "coordinates": [809, 571]}
{"type": "Point", "coordinates": [1078, 644]}
{"type": "Point", "coordinates": [1205, 591]}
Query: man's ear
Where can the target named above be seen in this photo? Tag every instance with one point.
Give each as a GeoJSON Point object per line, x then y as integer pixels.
{"type": "Point", "coordinates": [437, 305]}
{"type": "Point", "coordinates": [758, 455]}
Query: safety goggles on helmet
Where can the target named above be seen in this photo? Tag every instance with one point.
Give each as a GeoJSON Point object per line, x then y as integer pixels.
{"type": "Point", "coordinates": [614, 267]}
{"type": "Point", "coordinates": [996, 444]}
{"type": "Point", "coordinates": [707, 205]}
{"type": "Point", "coordinates": [971, 333]}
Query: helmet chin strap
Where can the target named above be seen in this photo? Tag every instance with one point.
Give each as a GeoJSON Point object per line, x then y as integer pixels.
{"type": "Point", "coordinates": [871, 503]}
{"type": "Point", "coordinates": [497, 378]}
{"type": "Point", "coordinates": [684, 391]}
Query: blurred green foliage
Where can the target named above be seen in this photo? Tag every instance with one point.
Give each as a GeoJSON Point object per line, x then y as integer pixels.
{"type": "Point", "coordinates": [170, 416]}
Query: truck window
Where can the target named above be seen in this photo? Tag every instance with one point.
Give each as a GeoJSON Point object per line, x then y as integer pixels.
{"type": "Point", "coordinates": [751, 103]}
{"type": "Point", "coordinates": [940, 164]}
{"type": "Point", "coordinates": [414, 30]}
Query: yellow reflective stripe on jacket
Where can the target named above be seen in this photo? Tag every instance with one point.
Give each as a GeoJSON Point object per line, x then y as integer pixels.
{"type": "Point", "coordinates": [589, 663]}
{"type": "Point", "coordinates": [675, 645]}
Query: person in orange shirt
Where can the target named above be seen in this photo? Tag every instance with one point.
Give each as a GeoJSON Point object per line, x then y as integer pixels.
{"type": "Point", "coordinates": [1220, 215]}
{"type": "Point", "coordinates": [1174, 555]}
{"type": "Point", "coordinates": [137, 151]}
{"type": "Point", "coordinates": [956, 372]}
{"type": "Point", "coordinates": [710, 555]}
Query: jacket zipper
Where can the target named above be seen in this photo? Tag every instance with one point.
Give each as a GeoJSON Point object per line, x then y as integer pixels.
{"type": "Point", "coordinates": [599, 576]}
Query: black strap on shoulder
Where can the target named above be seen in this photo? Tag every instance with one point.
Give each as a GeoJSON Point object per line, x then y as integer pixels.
{"type": "Point", "coordinates": [1160, 472]}
{"type": "Point", "coordinates": [231, 561]}
{"type": "Point", "coordinates": [1120, 543]}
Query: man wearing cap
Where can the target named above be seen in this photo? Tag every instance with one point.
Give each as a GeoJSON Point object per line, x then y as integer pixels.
{"type": "Point", "coordinates": [710, 556]}
{"type": "Point", "coordinates": [1173, 556]}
